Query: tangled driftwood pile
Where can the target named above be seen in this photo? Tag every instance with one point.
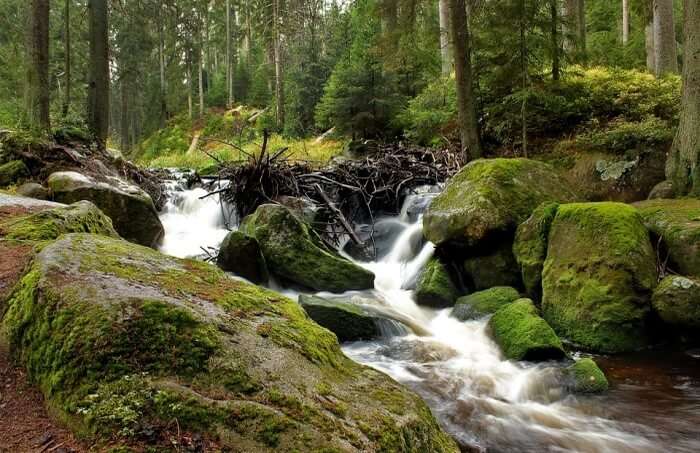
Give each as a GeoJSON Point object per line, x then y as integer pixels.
{"type": "Point", "coordinates": [346, 191]}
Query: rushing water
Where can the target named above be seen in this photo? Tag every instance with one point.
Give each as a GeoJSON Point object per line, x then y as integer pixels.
{"type": "Point", "coordinates": [486, 402]}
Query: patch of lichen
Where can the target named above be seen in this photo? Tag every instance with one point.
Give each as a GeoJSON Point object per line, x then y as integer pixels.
{"type": "Point", "coordinates": [587, 377]}
{"type": "Point", "coordinates": [435, 287]}
{"type": "Point", "coordinates": [530, 247]}
{"type": "Point", "coordinates": [293, 252]}
{"type": "Point", "coordinates": [81, 217]}
{"type": "Point", "coordinates": [484, 303]}
{"type": "Point", "coordinates": [492, 195]}
{"type": "Point", "coordinates": [523, 335]}
{"type": "Point", "coordinates": [598, 276]}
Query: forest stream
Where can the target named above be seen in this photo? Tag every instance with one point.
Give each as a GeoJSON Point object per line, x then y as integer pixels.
{"type": "Point", "coordinates": [486, 402]}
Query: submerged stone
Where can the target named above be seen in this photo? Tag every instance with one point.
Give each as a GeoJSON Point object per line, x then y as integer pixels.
{"type": "Point", "coordinates": [131, 209]}
{"type": "Point", "coordinates": [484, 303]}
{"type": "Point", "coordinates": [587, 377]}
{"type": "Point", "coordinates": [523, 335]}
{"type": "Point", "coordinates": [241, 254]}
{"type": "Point", "coordinates": [598, 276]}
{"type": "Point", "coordinates": [346, 320]}
{"type": "Point", "coordinates": [435, 287]}
{"type": "Point", "coordinates": [677, 301]}
{"type": "Point", "coordinates": [294, 252]}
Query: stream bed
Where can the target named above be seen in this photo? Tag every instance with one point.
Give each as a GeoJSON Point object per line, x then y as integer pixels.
{"type": "Point", "coordinates": [486, 402]}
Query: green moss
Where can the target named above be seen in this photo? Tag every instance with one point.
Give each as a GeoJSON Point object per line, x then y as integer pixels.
{"type": "Point", "coordinates": [523, 335]}
{"type": "Point", "coordinates": [346, 320]}
{"type": "Point", "coordinates": [292, 252]}
{"type": "Point", "coordinates": [587, 377]}
{"type": "Point", "coordinates": [530, 247]}
{"type": "Point", "coordinates": [435, 287]}
{"type": "Point", "coordinates": [12, 172]}
{"type": "Point", "coordinates": [677, 301]}
{"type": "Point", "coordinates": [598, 276]}
{"type": "Point", "coordinates": [484, 303]}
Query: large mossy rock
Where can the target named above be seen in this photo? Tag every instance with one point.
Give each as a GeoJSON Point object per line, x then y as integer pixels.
{"type": "Point", "coordinates": [677, 224]}
{"type": "Point", "coordinates": [484, 303]}
{"type": "Point", "coordinates": [131, 209]}
{"type": "Point", "coordinates": [491, 197]}
{"type": "Point", "coordinates": [241, 254]}
{"type": "Point", "coordinates": [587, 377]}
{"type": "Point", "coordinates": [12, 172]}
{"type": "Point", "coordinates": [435, 288]}
{"type": "Point", "coordinates": [497, 267]}
{"type": "Point", "coordinates": [123, 340]}
{"type": "Point", "coordinates": [530, 247]}
{"type": "Point", "coordinates": [598, 276]}
{"type": "Point", "coordinates": [293, 251]}
{"type": "Point", "coordinates": [523, 335]}
{"type": "Point", "coordinates": [347, 321]}
{"type": "Point", "coordinates": [677, 301]}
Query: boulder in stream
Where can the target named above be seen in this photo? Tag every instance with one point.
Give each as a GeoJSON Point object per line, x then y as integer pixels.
{"type": "Point", "coordinates": [598, 276]}
{"type": "Point", "coordinates": [484, 303]}
{"type": "Point", "coordinates": [435, 288]}
{"type": "Point", "coordinates": [131, 209]}
{"type": "Point", "coordinates": [587, 377]}
{"type": "Point", "coordinates": [295, 253]}
{"type": "Point", "coordinates": [530, 247]}
{"type": "Point", "coordinates": [677, 301]}
{"type": "Point", "coordinates": [241, 254]}
{"type": "Point", "coordinates": [495, 266]}
{"type": "Point", "coordinates": [523, 335]}
{"type": "Point", "coordinates": [347, 321]}
{"type": "Point", "coordinates": [100, 323]}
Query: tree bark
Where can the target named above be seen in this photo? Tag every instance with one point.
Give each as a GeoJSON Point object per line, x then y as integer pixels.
{"type": "Point", "coordinates": [67, 60]}
{"type": "Point", "coordinates": [124, 123]}
{"type": "Point", "coordinates": [163, 81]}
{"type": "Point", "coordinates": [38, 95]}
{"type": "Point", "coordinates": [461, 48]}
{"type": "Point", "coordinates": [574, 27]}
{"type": "Point", "coordinates": [683, 165]}
{"type": "Point", "coordinates": [625, 22]}
{"type": "Point", "coordinates": [279, 74]}
{"type": "Point", "coordinates": [229, 55]}
{"type": "Point", "coordinates": [98, 86]}
{"type": "Point", "coordinates": [556, 62]}
{"type": "Point", "coordinates": [650, 48]}
{"type": "Point", "coordinates": [665, 52]}
{"type": "Point", "coordinates": [446, 58]}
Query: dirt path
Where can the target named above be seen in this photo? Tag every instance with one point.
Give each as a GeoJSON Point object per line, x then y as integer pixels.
{"type": "Point", "coordinates": [25, 425]}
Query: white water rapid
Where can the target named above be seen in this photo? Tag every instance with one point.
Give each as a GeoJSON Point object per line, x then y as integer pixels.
{"type": "Point", "coordinates": [486, 402]}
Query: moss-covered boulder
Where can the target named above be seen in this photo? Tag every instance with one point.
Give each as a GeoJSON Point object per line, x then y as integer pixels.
{"type": "Point", "coordinates": [586, 377]}
{"type": "Point", "coordinates": [492, 196]}
{"type": "Point", "coordinates": [484, 303]}
{"type": "Point", "coordinates": [12, 172]}
{"type": "Point", "coordinates": [294, 252]}
{"type": "Point", "coordinates": [523, 335]}
{"type": "Point", "coordinates": [530, 247]}
{"type": "Point", "coordinates": [598, 276]}
{"type": "Point", "coordinates": [123, 340]}
{"type": "Point", "coordinates": [346, 320]}
{"type": "Point", "coordinates": [131, 209]}
{"type": "Point", "coordinates": [677, 224]}
{"type": "Point", "coordinates": [33, 190]}
{"type": "Point", "coordinates": [494, 267]}
{"type": "Point", "coordinates": [241, 254]}
{"type": "Point", "coordinates": [435, 287]}
{"type": "Point", "coordinates": [677, 301]}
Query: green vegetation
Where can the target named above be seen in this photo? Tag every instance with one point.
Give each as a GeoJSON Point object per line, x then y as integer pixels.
{"type": "Point", "coordinates": [435, 287]}
{"type": "Point", "coordinates": [587, 377]}
{"type": "Point", "coordinates": [484, 303]}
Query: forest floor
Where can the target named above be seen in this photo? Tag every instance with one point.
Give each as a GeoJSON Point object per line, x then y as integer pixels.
{"type": "Point", "coordinates": [25, 425]}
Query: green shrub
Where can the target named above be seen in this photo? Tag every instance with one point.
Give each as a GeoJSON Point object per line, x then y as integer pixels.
{"type": "Point", "coordinates": [432, 113]}
{"type": "Point", "coordinates": [621, 136]}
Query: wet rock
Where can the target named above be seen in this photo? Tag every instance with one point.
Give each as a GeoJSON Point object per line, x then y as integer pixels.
{"type": "Point", "coordinates": [598, 276]}
{"type": "Point", "coordinates": [530, 247]}
{"type": "Point", "coordinates": [302, 207]}
{"type": "Point", "coordinates": [294, 252]}
{"type": "Point", "coordinates": [435, 287]}
{"type": "Point", "coordinates": [33, 190]}
{"type": "Point", "coordinates": [347, 321]}
{"type": "Point", "coordinates": [165, 339]}
{"type": "Point", "coordinates": [492, 196]}
{"type": "Point", "coordinates": [587, 377]}
{"type": "Point", "coordinates": [523, 335]}
{"type": "Point", "coordinates": [677, 301]}
{"type": "Point", "coordinates": [484, 303]}
{"type": "Point", "coordinates": [677, 223]}
{"type": "Point", "coordinates": [497, 267]}
{"type": "Point", "coordinates": [241, 254]}
{"type": "Point", "coordinates": [662, 190]}
{"type": "Point", "coordinates": [131, 209]}
{"type": "Point", "coordinates": [12, 172]}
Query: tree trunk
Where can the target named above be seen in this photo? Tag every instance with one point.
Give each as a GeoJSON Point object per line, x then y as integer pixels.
{"type": "Point", "coordinates": [279, 75]}
{"type": "Point", "coordinates": [201, 82]}
{"type": "Point", "coordinates": [574, 26]}
{"type": "Point", "coordinates": [523, 75]}
{"type": "Point", "coordinates": [190, 85]}
{"type": "Point", "coordinates": [38, 90]}
{"type": "Point", "coordinates": [163, 81]}
{"type": "Point", "coordinates": [556, 62]}
{"type": "Point", "coordinates": [625, 22]}
{"type": "Point", "coordinates": [67, 61]}
{"type": "Point", "coordinates": [650, 48]}
{"type": "Point", "coordinates": [683, 166]}
{"type": "Point", "coordinates": [98, 86]}
{"type": "Point", "coordinates": [124, 123]}
{"type": "Point", "coordinates": [461, 48]}
{"type": "Point", "coordinates": [665, 52]}
{"type": "Point", "coordinates": [581, 31]}
{"type": "Point", "coordinates": [229, 55]}
{"type": "Point", "coordinates": [444, 11]}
